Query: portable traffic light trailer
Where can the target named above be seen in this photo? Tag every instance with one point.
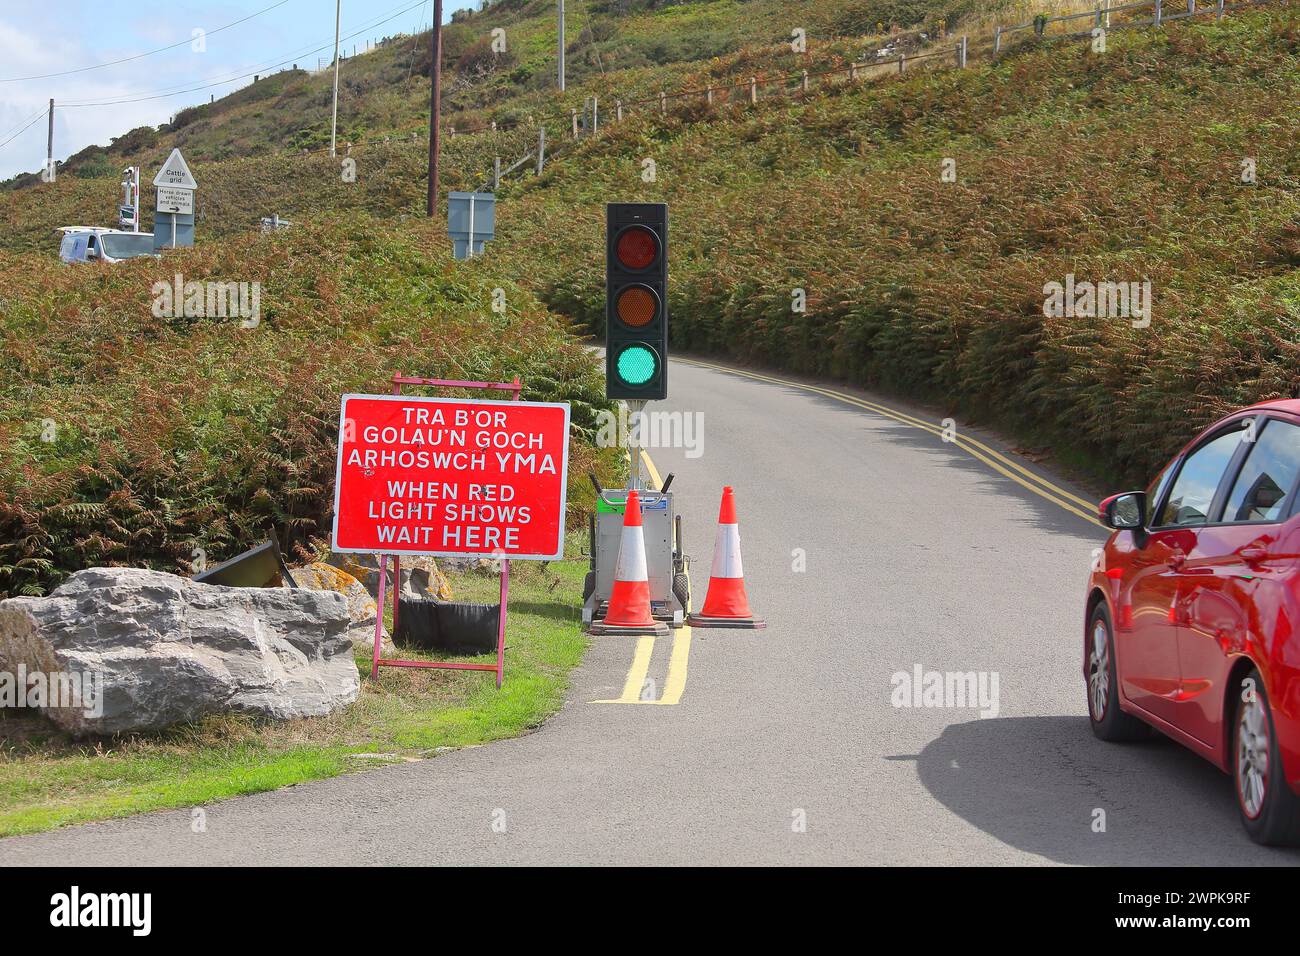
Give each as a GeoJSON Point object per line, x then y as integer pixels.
{"type": "Point", "coordinates": [636, 371]}
{"type": "Point", "coordinates": [667, 567]}
{"type": "Point", "coordinates": [636, 301]}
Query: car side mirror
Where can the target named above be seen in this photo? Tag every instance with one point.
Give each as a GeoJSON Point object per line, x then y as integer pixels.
{"type": "Point", "coordinates": [1124, 512]}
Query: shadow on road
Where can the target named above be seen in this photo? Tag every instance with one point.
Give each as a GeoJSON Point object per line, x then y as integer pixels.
{"type": "Point", "coordinates": [1035, 783]}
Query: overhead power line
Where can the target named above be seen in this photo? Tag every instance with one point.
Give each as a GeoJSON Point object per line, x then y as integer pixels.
{"type": "Point", "coordinates": [163, 94]}
{"type": "Point", "coordinates": [23, 130]}
{"type": "Point", "coordinates": [24, 122]}
{"type": "Point", "coordinates": [140, 56]}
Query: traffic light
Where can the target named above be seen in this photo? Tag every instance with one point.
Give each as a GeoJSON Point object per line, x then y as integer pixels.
{"type": "Point", "coordinates": [636, 300]}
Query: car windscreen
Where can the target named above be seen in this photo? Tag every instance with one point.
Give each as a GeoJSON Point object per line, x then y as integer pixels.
{"type": "Point", "coordinates": [127, 246]}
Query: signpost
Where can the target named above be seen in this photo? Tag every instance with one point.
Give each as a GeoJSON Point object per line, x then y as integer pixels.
{"type": "Point", "coordinates": [450, 477]}
{"type": "Point", "coordinates": [174, 209]}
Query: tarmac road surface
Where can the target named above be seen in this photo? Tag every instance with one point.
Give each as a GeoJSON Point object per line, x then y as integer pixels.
{"type": "Point", "coordinates": [784, 746]}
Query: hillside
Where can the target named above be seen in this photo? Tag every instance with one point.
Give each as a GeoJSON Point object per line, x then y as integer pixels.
{"type": "Point", "coordinates": [1124, 166]}
{"type": "Point", "coordinates": [635, 46]}
{"type": "Point", "coordinates": [145, 440]}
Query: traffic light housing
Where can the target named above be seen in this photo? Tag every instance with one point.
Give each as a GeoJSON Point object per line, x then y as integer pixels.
{"type": "Point", "coordinates": [636, 300]}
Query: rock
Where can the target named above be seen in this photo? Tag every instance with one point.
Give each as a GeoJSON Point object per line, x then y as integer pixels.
{"type": "Point", "coordinates": [421, 577]}
{"type": "Point", "coordinates": [165, 649]}
{"type": "Point", "coordinates": [361, 606]}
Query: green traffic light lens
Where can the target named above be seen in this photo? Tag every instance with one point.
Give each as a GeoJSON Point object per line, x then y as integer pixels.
{"type": "Point", "coordinates": [637, 365]}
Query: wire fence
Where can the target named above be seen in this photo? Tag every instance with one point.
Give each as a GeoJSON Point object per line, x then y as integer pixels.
{"type": "Point", "coordinates": [755, 89]}
{"type": "Point", "coordinates": [556, 133]}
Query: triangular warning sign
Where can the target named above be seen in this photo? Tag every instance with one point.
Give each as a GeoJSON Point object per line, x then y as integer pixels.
{"type": "Point", "coordinates": [176, 173]}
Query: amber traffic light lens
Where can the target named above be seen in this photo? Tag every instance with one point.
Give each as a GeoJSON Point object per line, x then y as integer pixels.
{"type": "Point", "coordinates": [637, 306]}
{"type": "Point", "coordinates": [637, 248]}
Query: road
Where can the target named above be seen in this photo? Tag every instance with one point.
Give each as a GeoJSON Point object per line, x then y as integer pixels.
{"type": "Point", "coordinates": [784, 746]}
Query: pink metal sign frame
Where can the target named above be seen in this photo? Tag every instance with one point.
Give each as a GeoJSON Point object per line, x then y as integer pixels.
{"type": "Point", "coordinates": [378, 661]}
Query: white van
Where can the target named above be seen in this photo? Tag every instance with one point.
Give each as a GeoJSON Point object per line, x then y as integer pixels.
{"type": "Point", "coordinates": [94, 244]}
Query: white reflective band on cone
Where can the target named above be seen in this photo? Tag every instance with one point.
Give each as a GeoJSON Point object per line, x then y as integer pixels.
{"type": "Point", "coordinates": [726, 552]}
{"type": "Point", "coordinates": [631, 556]}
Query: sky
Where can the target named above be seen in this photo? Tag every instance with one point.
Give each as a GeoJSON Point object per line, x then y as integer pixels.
{"type": "Point", "coordinates": [41, 37]}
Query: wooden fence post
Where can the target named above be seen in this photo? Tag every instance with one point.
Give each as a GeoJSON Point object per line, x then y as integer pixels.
{"type": "Point", "coordinates": [1158, 14]}
{"type": "Point", "coordinates": [574, 116]}
{"type": "Point", "coordinates": [753, 89]}
{"type": "Point", "coordinates": [902, 62]}
{"type": "Point", "coordinates": [663, 103]}
{"type": "Point", "coordinates": [853, 71]}
{"type": "Point", "coordinates": [803, 83]}
{"type": "Point", "coordinates": [997, 39]}
{"type": "Point", "coordinates": [541, 149]}
{"type": "Point", "coordinates": [496, 173]}
{"type": "Point", "coordinates": [618, 110]}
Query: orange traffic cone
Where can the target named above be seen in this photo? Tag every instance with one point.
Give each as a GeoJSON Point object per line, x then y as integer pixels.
{"type": "Point", "coordinates": [628, 610]}
{"type": "Point", "coordinates": [726, 604]}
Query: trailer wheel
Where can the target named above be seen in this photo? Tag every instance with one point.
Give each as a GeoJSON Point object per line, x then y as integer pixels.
{"type": "Point", "coordinates": [682, 590]}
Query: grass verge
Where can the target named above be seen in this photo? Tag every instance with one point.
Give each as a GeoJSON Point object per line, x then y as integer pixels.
{"type": "Point", "coordinates": [48, 780]}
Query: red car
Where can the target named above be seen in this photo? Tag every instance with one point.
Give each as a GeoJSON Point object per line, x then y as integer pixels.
{"type": "Point", "coordinates": [1193, 613]}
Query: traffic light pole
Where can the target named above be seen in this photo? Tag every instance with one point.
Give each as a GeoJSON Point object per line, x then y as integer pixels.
{"type": "Point", "coordinates": [635, 409]}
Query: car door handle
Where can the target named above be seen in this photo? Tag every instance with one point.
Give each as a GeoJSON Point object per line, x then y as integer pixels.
{"type": "Point", "coordinates": [1253, 555]}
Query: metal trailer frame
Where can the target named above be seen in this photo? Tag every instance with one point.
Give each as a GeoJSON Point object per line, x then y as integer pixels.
{"type": "Point", "coordinates": [377, 661]}
{"type": "Point", "coordinates": [668, 567]}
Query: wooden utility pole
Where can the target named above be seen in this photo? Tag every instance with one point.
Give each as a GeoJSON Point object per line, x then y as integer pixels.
{"type": "Point", "coordinates": [49, 143]}
{"type": "Point", "coordinates": [334, 118]}
{"type": "Point", "coordinates": [561, 30]}
{"type": "Point", "coordinates": [435, 106]}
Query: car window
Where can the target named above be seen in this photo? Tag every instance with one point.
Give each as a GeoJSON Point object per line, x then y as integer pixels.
{"type": "Point", "coordinates": [127, 246]}
{"type": "Point", "coordinates": [1262, 490]}
{"type": "Point", "coordinates": [1193, 492]}
{"type": "Point", "coordinates": [1158, 483]}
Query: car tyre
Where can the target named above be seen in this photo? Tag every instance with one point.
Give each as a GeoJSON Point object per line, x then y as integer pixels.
{"type": "Point", "coordinates": [1109, 723]}
{"type": "Point", "coordinates": [1269, 809]}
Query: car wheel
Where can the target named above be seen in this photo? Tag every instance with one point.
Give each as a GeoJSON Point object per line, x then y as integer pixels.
{"type": "Point", "coordinates": [1108, 721]}
{"type": "Point", "coordinates": [1270, 810]}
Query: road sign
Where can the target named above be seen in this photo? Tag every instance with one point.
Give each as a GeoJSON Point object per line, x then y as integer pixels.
{"type": "Point", "coordinates": [174, 199]}
{"type": "Point", "coordinates": [471, 221]}
{"type": "Point", "coordinates": [175, 172]}
{"type": "Point", "coordinates": [451, 477]}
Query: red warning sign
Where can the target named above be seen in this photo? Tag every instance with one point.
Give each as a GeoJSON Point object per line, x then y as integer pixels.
{"type": "Point", "coordinates": [451, 477]}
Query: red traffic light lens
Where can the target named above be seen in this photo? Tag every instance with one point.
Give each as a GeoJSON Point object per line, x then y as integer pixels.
{"type": "Point", "coordinates": [637, 306]}
{"type": "Point", "coordinates": [637, 248]}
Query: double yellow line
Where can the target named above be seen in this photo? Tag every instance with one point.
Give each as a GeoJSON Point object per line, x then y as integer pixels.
{"type": "Point", "coordinates": [675, 683]}
{"type": "Point", "coordinates": [1000, 463]}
